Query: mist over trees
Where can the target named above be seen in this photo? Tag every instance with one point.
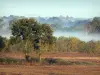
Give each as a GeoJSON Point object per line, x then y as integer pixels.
{"type": "Point", "coordinates": [94, 26]}
{"type": "Point", "coordinates": [57, 23]}
{"type": "Point", "coordinates": [29, 35]}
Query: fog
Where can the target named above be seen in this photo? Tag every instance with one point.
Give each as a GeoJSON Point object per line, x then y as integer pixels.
{"type": "Point", "coordinates": [5, 33]}
{"type": "Point", "coordinates": [80, 35]}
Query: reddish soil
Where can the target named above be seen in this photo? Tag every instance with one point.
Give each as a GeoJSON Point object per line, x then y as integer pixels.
{"type": "Point", "coordinates": [54, 55]}
{"type": "Point", "coordinates": [49, 70]}
{"type": "Point", "coordinates": [74, 56]}
{"type": "Point", "coordinates": [69, 54]}
{"type": "Point", "coordinates": [53, 69]}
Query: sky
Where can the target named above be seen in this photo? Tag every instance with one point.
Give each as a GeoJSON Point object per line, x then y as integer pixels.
{"type": "Point", "coordinates": [47, 8]}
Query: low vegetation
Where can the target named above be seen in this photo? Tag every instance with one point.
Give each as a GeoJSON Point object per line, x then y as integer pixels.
{"type": "Point", "coordinates": [45, 61]}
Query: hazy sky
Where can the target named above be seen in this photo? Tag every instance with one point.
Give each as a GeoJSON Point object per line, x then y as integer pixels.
{"type": "Point", "coordinates": [74, 8]}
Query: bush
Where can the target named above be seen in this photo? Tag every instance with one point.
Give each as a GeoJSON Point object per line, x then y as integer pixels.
{"type": "Point", "coordinates": [33, 59]}
{"type": "Point", "coordinates": [10, 61]}
{"type": "Point", "coordinates": [63, 62]}
{"type": "Point", "coordinates": [50, 60]}
{"type": "Point", "coordinates": [2, 60]}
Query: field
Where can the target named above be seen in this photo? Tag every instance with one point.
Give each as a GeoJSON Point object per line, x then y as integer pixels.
{"type": "Point", "coordinates": [38, 69]}
{"type": "Point", "coordinates": [49, 70]}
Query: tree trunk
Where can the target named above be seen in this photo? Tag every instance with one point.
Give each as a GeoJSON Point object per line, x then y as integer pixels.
{"type": "Point", "coordinates": [40, 57]}
{"type": "Point", "coordinates": [27, 57]}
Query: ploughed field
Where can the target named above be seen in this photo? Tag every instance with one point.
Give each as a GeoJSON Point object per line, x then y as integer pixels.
{"type": "Point", "coordinates": [52, 69]}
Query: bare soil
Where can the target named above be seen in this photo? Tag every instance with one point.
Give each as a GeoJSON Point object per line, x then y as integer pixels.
{"type": "Point", "coordinates": [53, 69]}
{"type": "Point", "coordinates": [49, 70]}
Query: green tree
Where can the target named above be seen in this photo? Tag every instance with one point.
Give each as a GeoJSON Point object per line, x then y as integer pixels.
{"type": "Point", "coordinates": [73, 44]}
{"type": "Point", "coordinates": [91, 46]}
{"type": "Point", "coordinates": [2, 43]}
{"type": "Point", "coordinates": [82, 46]}
{"type": "Point", "coordinates": [13, 40]}
{"type": "Point", "coordinates": [97, 48]}
{"type": "Point", "coordinates": [43, 38]}
{"type": "Point", "coordinates": [30, 30]}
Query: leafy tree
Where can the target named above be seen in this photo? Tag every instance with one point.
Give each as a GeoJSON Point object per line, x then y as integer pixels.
{"type": "Point", "coordinates": [73, 44]}
{"type": "Point", "coordinates": [82, 46]}
{"type": "Point", "coordinates": [22, 28]}
{"type": "Point", "coordinates": [7, 45]}
{"type": "Point", "coordinates": [13, 40]}
{"type": "Point", "coordinates": [43, 38]}
{"type": "Point", "coordinates": [97, 48]}
{"type": "Point", "coordinates": [67, 44]}
{"type": "Point", "coordinates": [2, 43]}
{"type": "Point", "coordinates": [91, 46]}
{"type": "Point", "coordinates": [30, 30]}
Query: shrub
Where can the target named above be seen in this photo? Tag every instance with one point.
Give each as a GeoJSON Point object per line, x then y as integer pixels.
{"type": "Point", "coordinates": [10, 61]}
{"type": "Point", "coordinates": [64, 62]}
{"type": "Point", "coordinates": [33, 59]}
{"type": "Point", "coordinates": [48, 61]}
{"type": "Point", "coordinates": [2, 60]}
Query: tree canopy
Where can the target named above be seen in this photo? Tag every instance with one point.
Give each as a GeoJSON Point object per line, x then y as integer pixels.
{"type": "Point", "coordinates": [28, 29]}
{"type": "Point", "coordinates": [2, 43]}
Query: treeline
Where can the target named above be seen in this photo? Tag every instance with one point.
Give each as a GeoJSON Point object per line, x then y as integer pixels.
{"type": "Point", "coordinates": [73, 44]}
{"type": "Point", "coordinates": [61, 44]}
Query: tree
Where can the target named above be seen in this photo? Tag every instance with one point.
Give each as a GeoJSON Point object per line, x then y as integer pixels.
{"type": "Point", "coordinates": [30, 30]}
{"type": "Point", "coordinates": [82, 46]}
{"type": "Point", "coordinates": [97, 50]}
{"type": "Point", "coordinates": [2, 43]}
{"type": "Point", "coordinates": [91, 46]}
{"type": "Point", "coordinates": [70, 44]}
{"type": "Point", "coordinates": [22, 28]}
{"type": "Point", "coordinates": [73, 44]}
{"type": "Point", "coordinates": [94, 25]}
{"type": "Point", "coordinates": [7, 45]}
{"type": "Point", "coordinates": [13, 40]}
{"type": "Point", "coordinates": [43, 38]}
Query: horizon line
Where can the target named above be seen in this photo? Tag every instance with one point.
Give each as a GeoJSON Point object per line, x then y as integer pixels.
{"type": "Point", "coordinates": [48, 16]}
